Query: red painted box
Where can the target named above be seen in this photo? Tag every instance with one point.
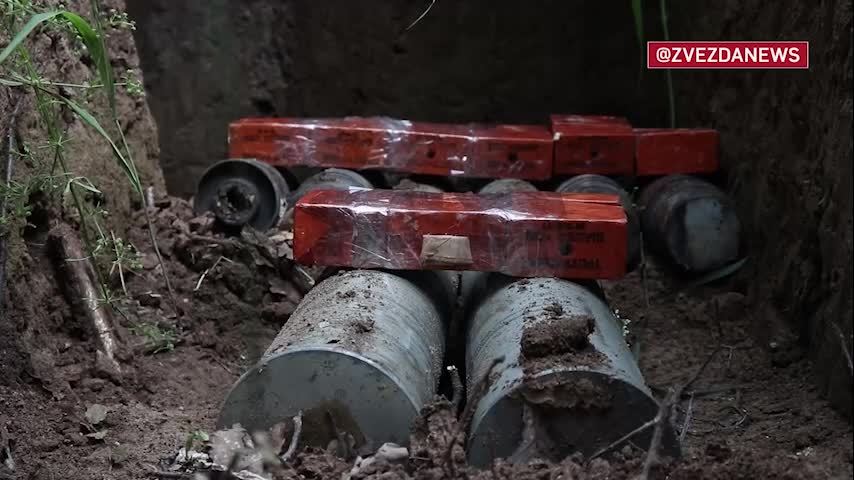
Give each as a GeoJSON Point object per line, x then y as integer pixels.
{"type": "Point", "coordinates": [667, 151]}
{"type": "Point", "coordinates": [593, 144]}
{"type": "Point", "coordinates": [525, 234]}
{"type": "Point", "coordinates": [359, 143]}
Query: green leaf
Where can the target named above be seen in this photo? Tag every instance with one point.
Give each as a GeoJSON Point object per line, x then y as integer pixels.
{"type": "Point", "coordinates": [88, 118]}
{"type": "Point", "coordinates": [96, 413]}
{"type": "Point", "coordinates": [637, 11]}
{"type": "Point", "coordinates": [99, 435]}
{"type": "Point", "coordinates": [31, 25]}
{"type": "Point", "coordinates": [94, 43]}
{"type": "Point", "coordinates": [119, 454]}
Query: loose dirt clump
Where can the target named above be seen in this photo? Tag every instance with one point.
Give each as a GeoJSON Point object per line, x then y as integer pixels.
{"type": "Point", "coordinates": [557, 334]}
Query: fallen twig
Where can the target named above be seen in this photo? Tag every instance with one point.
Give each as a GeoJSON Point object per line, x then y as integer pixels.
{"type": "Point", "coordinates": [477, 392]}
{"type": "Point", "coordinates": [292, 448]}
{"type": "Point", "coordinates": [673, 394]}
{"type": "Point", "coordinates": [688, 412]}
{"type": "Point", "coordinates": [664, 413]}
{"type": "Point", "coordinates": [421, 17]}
{"type": "Point", "coordinates": [80, 274]}
{"type": "Point", "coordinates": [205, 273]}
{"type": "Point", "coordinates": [660, 421]}
{"type": "Point", "coordinates": [616, 443]}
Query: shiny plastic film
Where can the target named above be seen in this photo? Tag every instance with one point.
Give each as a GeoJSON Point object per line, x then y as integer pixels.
{"type": "Point", "coordinates": [523, 234]}
{"type": "Point", "coordinates": [382, 143]}
{"type": "Point", "coordinates": [593, 144]}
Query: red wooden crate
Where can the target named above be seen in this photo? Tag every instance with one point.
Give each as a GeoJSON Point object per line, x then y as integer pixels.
{"type": "Point", "coordinates": [593, 144]}
{"type": "Point", "coordinates": [358, 143]}
{"type": "Point", "coordinates": [664, 151]}
{"type": "Point", "coordinates": [526, 234]}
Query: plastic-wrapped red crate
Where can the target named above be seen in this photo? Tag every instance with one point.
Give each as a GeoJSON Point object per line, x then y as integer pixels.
{"type": "Point", "coordinates": [593, 144]}
{"type": "Point", "coordinates": [525, 234]}
{"type": "Point", "coordinates": [359, 143]}
{"type": "Point", "coordinates": [667, 151]}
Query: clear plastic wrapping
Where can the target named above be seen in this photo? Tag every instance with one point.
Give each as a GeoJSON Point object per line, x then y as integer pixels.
{"type": "Point", "coordinates": [359, 143]}
{"type": "Point", "coordinates": [525, 234]}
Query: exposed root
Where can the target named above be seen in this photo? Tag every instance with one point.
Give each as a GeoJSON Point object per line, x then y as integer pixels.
{"type": "Point", "coordinates": [81, 286]}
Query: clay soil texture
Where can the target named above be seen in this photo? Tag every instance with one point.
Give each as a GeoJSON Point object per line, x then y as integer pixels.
{"type": "Point", "coordinates": [752, 413]}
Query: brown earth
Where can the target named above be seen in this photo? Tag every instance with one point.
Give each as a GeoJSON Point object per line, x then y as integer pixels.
{"type": "Point", "coordinates": [754, 413]}
{"type": "Point", "coordinates": [758, 410]}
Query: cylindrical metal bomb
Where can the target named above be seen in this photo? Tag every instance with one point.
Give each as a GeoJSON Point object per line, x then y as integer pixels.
{"type": "Point", "coordinates": [242, 192]}
{"type": "Point", "coordinates": [362, 352]}
{"type": "Point", "coordinates": [591, 183]}
{"type": "Point", "coordinates": [330, 179]}
{"type": "Point", "coordinates": [691, 222]}
{"type": "Point", "coordinates": [507, 185]}
{"type": "Point", "coordinates": [568, 382]}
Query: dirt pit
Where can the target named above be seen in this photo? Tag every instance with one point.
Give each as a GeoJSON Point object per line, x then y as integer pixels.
{"type": "Point", "coordinates": [754, 412]}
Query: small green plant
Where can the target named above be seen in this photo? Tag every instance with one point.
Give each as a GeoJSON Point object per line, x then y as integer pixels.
{"type": "Point", "coordinates": [637, 12]}
{"type": "Point", "coordinates": [158, 339]}
{"type": "Point", "coordinates": [95, 416]}
{"type": "Point", "coordinates": [132, 84]}
{"type": "Point", "coordinates": [119, 20]}
{"type": "Point", "coordinates": [52, 103]}
{"type": "Point", "coordinates": [196, 437]}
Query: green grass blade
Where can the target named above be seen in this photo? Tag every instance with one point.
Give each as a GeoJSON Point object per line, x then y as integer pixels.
{"type": "Point", "coordinates": [93, 41]}
{"type": "Point", "coordinates": [90, 120]}
{"type": "Point", "coordinates": [671, 98]}
{"type": "Point", "coordinates": [637, 11]}
{"type": "Point", "coordinates": [95, 44]}
{"type": "Point", "coordinates": [31, 25]}
{"type": "Point", "coordinates": [708, 278]}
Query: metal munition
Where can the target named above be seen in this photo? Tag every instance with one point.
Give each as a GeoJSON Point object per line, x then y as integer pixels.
{"type": "Point", "coordinates": [691, 222]}
{"type": "Point", "coordinates": [242, 192]}
{"type": "Point", "coordinates": [566, 382]}
{"type": "Point", "coordinates": [362, 354]}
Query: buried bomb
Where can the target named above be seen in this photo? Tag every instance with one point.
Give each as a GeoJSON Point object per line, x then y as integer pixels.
{"type": "Point", "coordinates": [567, 382]}
{"type": "Point", "coordinates": [361, 355]}
{"type": "Point", "coordinates": [691, 222]}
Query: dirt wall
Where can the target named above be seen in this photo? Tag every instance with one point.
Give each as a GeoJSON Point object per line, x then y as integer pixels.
{"type": "Point", "coordinates": [58, 59]}
{"type": "Point", "coordinates": [787, 146]}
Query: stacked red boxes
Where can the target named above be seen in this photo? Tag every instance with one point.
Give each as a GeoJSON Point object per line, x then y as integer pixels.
{"type": "Point", "coordinates": [524, 234]}
{"type": "Point", "coordinates": [360, 143]}
{"type": "Point", "coordinates": [593, 144]}
{"type": "Point", "coordinates": [668, 151]}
